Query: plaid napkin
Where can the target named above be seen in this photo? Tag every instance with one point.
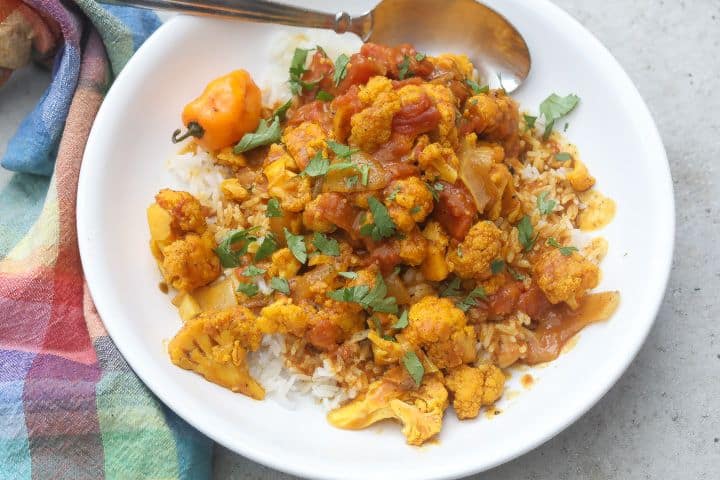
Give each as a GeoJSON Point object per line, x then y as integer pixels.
{"type": "Point", "coordinates": [70, 407]}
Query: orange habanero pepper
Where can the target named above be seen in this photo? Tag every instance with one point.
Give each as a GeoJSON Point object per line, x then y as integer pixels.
{"type": "Point", "coordinates": [228, 109]}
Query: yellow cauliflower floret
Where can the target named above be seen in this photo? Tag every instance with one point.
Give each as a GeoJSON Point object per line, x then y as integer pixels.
{"type": "Point", "coordinates": [228, 158]}
{"type": "Point", "coordinates": [474, 388]}
{"type": "Point", "coordinates": [184, 209]}
{"type": "Point", "coordinates": [454, 63]}
{"type": "Point", "coordinates": [579, 177]}
{"type": "Point", "coordinates": [434, 267]}
{"type": "Point", "coordinates": [283, 317]}
{"type": "Point", "coordinates": [494, 115]}
{"type": "Point", "coordinates": [438, 160]}
{"type": "Point", "coordinates": [284, 264]}
{"type": "Point", "coordinates": [413, 247]}
{"type": "Point", "coordinates": [565, 278]}
{"type": "Point", "coordinates": [233, 190]}
{"type": "Point", "coordinates": [373, 88]}
{"type": "Point", "coordinates": [409, 201]}
{"type": "Point", "coordinates": [314, 218]}
{"type": "Point", "coordinates": [291, 189]}
{"type": "Point", "coordinates": [421, 411]}
{"type": "Point", "coordinates": [445, 102]}
{"type": "Point", "coordinates": [439, 327]}
{"type": "Point", "coordinates": [372, 126]}
{"type": "Point", "coordinates": [472, 258]}
{"type": "Point", "coordinates": [304, 141]}
{"type": "Point", "coordinates": [190, 262]}
{"type": "Point", "coordinates": [215, 345]}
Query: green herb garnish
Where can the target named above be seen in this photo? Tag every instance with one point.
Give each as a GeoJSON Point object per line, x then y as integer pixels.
{"type": "Point", "coordinates": [554, 108]}
{"type": "Point", "coordinates": [404, 68]}
{"type": "Point", "coordinates": [476, 88]}
{"type": "Point", "coordinates": [414, 367]}
{"type": "Point", "coordinates": [374, 299]}
{"type": "Point", "coordinates": [382, 226]}
{"type": "Point", "coordinates": [317, 166]}
{"type": "Point", "coordinates": [515, 274]}
{"type": "Point", "coordinates": [378, 326]}
{"type": "Point", "coordinates": [324, 96]}
{"type": "Point", "coordinates": [529, 121]}
{"type": "Point", "coordinates": [296, 244]}
{"type": "Point", "coordinates": [525, 233]}
{"type": "Point", "coordinates": [545, 205]}
{"type": "Point", "coordinates": [267, 247]}
{"type": "Point", "coordinates": [264, 135]}
{"type": "Point", "coordinates": [280, 284]}
{"type": "Point", "coordinates": [249, 289]}
{"type": "Point", "coordinates": [402, 322]}
{"type": "Point", "coordinates": [326, 245]}
{"type": "Point", "coordinates": [562, 157]}
{"type": "Point", "coordinates": [234, 246]}
{"type": "Point", "coordinates": [420, 56]}
{"type": "Point", "coordinates": [340, 68]}
{"type": "Point", "coordinates": [564, 251]}
{"type": "Point", "coordinates": [471, 299]}
{"type": "Point", "coordinates": [273, 208]}
{"type": "Point", "coordinates": [253, 271]}
{"type": "Point", "coordinates": [297, 69]}
{"type": "Point", "coordinates": [452, 288]}
{"type": "Point", "coordinates": [340, 150]}
{"type": "Point", "coordinates": [497, 266]}
{"type": "Point", "coordinates": [282, 110]}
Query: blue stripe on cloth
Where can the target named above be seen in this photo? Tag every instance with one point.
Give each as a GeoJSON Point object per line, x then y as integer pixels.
{"type": "Point", "coordinates": [14, 444]}
{"type": "Point", "coordinates": [194, 450]}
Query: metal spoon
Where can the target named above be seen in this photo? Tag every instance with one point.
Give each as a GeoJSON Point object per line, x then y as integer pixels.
{"type": "Point", "coordinates": [492, 43]}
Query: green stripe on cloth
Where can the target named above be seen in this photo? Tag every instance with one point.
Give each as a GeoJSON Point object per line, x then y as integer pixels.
{"type": "Point", "coordinates": [21, 199]}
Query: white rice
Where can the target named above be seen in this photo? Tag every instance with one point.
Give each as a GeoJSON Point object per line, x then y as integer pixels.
{"type": "Point", "coordinates": [199, 175]}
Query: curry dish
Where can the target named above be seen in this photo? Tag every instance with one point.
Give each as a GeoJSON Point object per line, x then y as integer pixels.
{"type": "Point", "coordinates": [395, 222]}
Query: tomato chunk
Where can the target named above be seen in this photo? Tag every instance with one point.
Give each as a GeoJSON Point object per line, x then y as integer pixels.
{"type": "Point", "coordinates": [455, 210]}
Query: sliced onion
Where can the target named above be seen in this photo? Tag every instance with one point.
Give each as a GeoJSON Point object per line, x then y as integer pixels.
{"type": "Point", "coordinates": [475, 163]}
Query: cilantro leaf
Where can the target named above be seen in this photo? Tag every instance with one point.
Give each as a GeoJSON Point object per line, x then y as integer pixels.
{"type": "Point", "coordinates": [340, 150]}
{"type": "Point", "coordinates": [324, 96]}
{"type": "Point", "coordinates": [378, 326]}
{"type": "Point", "coordinates": [253, 271]}
{"type": "Point", "coordinates": [297, 68]}
{"type": "Point", "coordinates": [382, 226]}
{"type": "Point", "coordinates": [374, 299]}
{"type": "Point", "coordinates": [326, 245]}
{"type": "Point", "coordinates": [404, 68]}
{"type": "Point", "coordinates": [340, 68]}
{"type": "Point", "coordinates": [264, 135]}
{"type": "Point", "coordinates": [394, 193]}
{"type": "Point", "coordinates": [267, 247]}
{"type": "Point", "coordinates": [497, 266]}
{"type": "Point", "coordinates": [564, 251]}
{"type": "Point", "coordinates": [452, 288]}
{"type": "Point", "coordinates": [529, 121]}
{"type": "Point", "coordinates": [476, 88]}
{"type": "Point", "coordinates": [420, 56]}
{"type": "Point", "coordinates": [414, 367]}
{"type": "Point", "coordinates": [402, 321]}
{"type": "Point", "coordinates": [554, 108]}
{"type": "Point", "coordinates": [525, 233]}
{"type": "Point", "coordinates": [229, 256]}
{"type": "Point", "coordinates": [317, 166]}
{"type": "Point", "coordinates": [349, 294]}
{"type": "Point", "coordinates": [280, 284]}
{"type": "Point", "coordinates": [515, 274]}
{"type": "Point", "coordinates": [562, 157]}
{"type": "Point", "coordinates": [296, 244]}
{"type": "Point", "coordinates": [249, 289]}
{"type": "Point", "coordinates": [435, 189]}
{"type": "Point", "coordinates": [545, 206]}
{"type": "Point", "coordinates": [350, 275]}
{"type": "Point", "coordinates": [470, 299]}
{"type": "Point", "coordinates": [273, 208]}
{"type": "Point", "coordinates": [282, 110]}
{"type": "Point", "coordinates": [350, 182]}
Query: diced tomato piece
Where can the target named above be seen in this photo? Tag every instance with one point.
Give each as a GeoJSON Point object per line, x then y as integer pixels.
{"type": "Point", "coordinates": [338, 210]}
{"type": "Point", "coordinates": [504, 301]}
{"type": "Point", "coordinates": [416, 118]}
{"type": "Point", "coordinates": [386, 255]}
{"type": "Point", "coordinates": [360, 69]}
{"type": "Point", "coordinates": [315, 111]}
{"type": "Point", "coordinates": [455, 210]}
{"type": "Point", "coordinates": [398, 146]}
{"type": "Point", "coordinates": [534, 302]}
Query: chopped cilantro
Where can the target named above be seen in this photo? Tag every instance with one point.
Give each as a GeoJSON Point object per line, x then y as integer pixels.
{"type": "Point", "coordinates": [402, 322]}
{"type": "Point", "coordinates": [317, 166]}
{"type": "Point", "coordinates": [420, 56]}
{"type": "Point", "coordinates": [340, 150]}
{"type": "Point", "coordinates": [230, 256]}
{"type": "Point", "coordinates": [249, 289]}
{"type": "Point", "coordinates": [350, 275]}
{"type": "Point", "coordinates": [525, 233]}
{"type": "Point", "coordinates": [414, 367]}
{"type": "Point", "coordinates": [382, 226]}
{"type": "Point", "coordinates": [404, 68]}
{"type": "Point", "coordinates": [267, 247]}
{"type": "Point", "coordinates": [554, 108]}
{"type": "Point", "coordinates": [564, 251]}
{"type": "Point", "coordinates": [280, 284]}
{"type": "Point", "coordinates": [470, 299]}
{"type": "Point", "coordinates": [324, 96]}
{"type": "Point", "coordinates": [562, 157]}
{"type": "Point", "coordinates": [253, 271]}
{"type": "Point", "coordinates": [476, 88]}
{"type": "Point", "coordinates": [452, 288]}
{"type": "Point", "coordinates": [282, 110]}
{"type": "Point", "coordinates": [415, 210]}
{"type": "Point", "coordinates": [264, 135]}
{"type": "Point", "coordinates": [497, 266]}
{"type": "Point", "coordinates": [296, 244]}
{"type": "Point", "coordinates": [340, 68]}
{"type": "Point", "coordinates": [374, 299]}
{"type": "Point", "coordinates": [529, 121]}
{"type": "Point", "coordinates": [378, 326]}
{"type": "Point", "coordinates": [545, 205]}
{"type": "Point", "coordinates": [297, 68]}
{"type": "Point", "coordinates": [326, 245]}
{"type": "Point", "coordinates": [351, 182]}
{"type": "Point", "coordinates": [515, 274]}
{"type": "Point", "coordinates": [394, 193]}
{"type": "Point", "coordinates": [435, 189]}
{"type": "Point", "coordinates": [273, 208]}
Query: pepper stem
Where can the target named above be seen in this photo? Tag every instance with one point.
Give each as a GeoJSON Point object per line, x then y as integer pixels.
{"type": "Point", "coordinates": [193, 130]}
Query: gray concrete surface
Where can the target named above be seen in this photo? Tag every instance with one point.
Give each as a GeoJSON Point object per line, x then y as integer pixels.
{"type": "Point", "coordinates": [662, 419]}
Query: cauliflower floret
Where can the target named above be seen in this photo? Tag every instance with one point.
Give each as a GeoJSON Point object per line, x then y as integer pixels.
{"type": "Point", "coordinates": [233, 190]}
{"type": "Point", "coordinates": [565, 278]}
{"type": "Point", "coordinates": [385, 352]}
{"type": "Point", "coordinates": [439, 327]}
{"type": "Point", "coordinates": [420, 410]}
{"type": "Point", "coordinates": [184, 209]}
{"type": "Point", "coordinates": [229, 158]}
{"type": "Point", "coordinates": [215, 345]}
{"type": "Point", "coordinates": [579, 177]}
{"type": "Point", "coordinates": [373, 88]}
{"type": "Point", "coordinates": [472, 258]}
{"type": "Point", "coordinates": [283, 317]}
{"type": "Point", "coordinates": [438, 160]}
{"type": "Point", "coordinates": [372, 126]}
{"type": "Point", "coordinates": [434, 267]}
{"type": "Point", "coordinates": [445, 102]}
{"type": "Point", "coordinates": [304, 141]}
{"type": "Point", "coordinates": [493, 116]}
{"type": "Point", "coordinates": [409, 201]}
{"type": "Point", "coordinates": [291, 189]}
{"type": "Point", "coordinates": [284, 264]}
{"type": "Point", "coordinates": [474, 388]}
{"type": "Point", "coordinates": [314, 217]}
{"type": "Point", "coordinates": [190, 262]}
{"type": "Point", "coordinates": [412, 248]}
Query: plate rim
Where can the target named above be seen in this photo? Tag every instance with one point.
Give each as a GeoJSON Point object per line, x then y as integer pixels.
{"type": "Point", "coordinates": [91, 275]}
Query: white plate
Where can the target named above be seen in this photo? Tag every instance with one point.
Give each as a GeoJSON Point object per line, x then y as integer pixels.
{"type": "Point", "coordinates": [124, 167]}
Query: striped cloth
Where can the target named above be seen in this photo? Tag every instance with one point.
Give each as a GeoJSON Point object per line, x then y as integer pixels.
{"type": "Point", "coordinates": [70, 407]}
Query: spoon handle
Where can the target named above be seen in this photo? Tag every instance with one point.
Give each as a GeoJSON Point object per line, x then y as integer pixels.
{"type": "Point", "coordinates": [261, 11]}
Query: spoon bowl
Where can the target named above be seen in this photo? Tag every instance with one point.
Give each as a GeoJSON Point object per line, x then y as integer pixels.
{"type": "Point", "coordinates": [492, 43]}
